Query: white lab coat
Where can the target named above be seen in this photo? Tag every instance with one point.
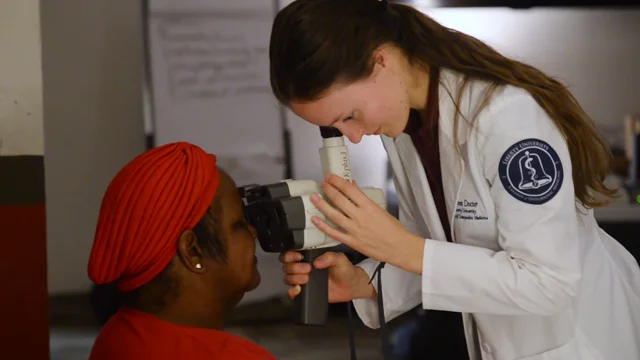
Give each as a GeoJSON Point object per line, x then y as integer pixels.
{"type": "Point", "coordinates": [535, 279]}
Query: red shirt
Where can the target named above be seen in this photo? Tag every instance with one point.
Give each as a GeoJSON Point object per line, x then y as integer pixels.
{"type": "Point", "coordinates": [443, 331]}
{"type": "Point", "coordinates": [135, 335]}
{"type": "Point", "coordinates": [424, 135]}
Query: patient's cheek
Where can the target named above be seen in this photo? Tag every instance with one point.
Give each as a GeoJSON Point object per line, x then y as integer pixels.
{"type": "Point", "coordinates": [255, 279]}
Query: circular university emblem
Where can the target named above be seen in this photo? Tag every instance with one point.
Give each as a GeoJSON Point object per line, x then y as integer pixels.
{"type": "Point", "coordinates": [531, 171]}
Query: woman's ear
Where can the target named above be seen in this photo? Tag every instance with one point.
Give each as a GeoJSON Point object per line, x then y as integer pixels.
{"type": "Point", "coordinates": [190, 252]}
{"type": "Point", "coordinates": [379, 57]}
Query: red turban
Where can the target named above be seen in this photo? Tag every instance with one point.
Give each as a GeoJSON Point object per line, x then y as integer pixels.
{"type": "Point", "coordinates": [148, 204]}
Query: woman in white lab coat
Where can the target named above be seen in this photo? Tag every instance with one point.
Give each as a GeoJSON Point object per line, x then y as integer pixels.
{"type": "Point", "coordinates": [521, 168]}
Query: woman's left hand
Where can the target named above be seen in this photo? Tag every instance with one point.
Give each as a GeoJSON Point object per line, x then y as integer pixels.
{"type": "Point", "coordinates": [367, 227]}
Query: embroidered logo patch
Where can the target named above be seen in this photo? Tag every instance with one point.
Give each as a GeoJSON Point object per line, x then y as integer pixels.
{"type": "Point", "coordinates": [531, 171]}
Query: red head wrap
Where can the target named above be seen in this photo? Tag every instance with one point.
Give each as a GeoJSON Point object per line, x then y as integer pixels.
{"type": "Point", "coordinates": [149, 203]}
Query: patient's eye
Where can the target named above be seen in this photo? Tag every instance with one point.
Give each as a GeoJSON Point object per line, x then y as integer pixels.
{"type": "Point", "coordinates": [241, 224]}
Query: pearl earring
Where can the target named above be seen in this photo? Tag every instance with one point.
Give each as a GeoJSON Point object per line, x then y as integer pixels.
{"type": "Point", "coordinates": [198, 266]}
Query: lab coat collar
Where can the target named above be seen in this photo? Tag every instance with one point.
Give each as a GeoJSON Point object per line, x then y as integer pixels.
{"type": "Point", "coordinates": [450, 82]}
{"type": "Point", "coordinates": [452, 165]}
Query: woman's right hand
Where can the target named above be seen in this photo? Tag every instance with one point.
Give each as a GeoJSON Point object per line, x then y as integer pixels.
{"type": "Point", "coordinates": [346, 281]}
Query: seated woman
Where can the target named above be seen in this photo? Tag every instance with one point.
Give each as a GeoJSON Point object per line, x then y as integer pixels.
{"type": "Point", "coordinates": [172, 237]}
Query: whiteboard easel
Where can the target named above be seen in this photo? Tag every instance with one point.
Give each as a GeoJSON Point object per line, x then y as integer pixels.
{"type": "Point", "coordinates": [209, 84]}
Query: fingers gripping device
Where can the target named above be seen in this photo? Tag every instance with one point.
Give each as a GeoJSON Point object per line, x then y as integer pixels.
{"type": "Point", "coordinates": [281, 213]}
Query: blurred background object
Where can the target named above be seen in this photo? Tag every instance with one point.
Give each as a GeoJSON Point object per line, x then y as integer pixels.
{"type": "Point", "coordinates": [632, 155]}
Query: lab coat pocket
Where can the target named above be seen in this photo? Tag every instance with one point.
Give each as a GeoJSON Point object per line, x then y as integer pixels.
{"type": "Point", "coordinates": [577, 348]}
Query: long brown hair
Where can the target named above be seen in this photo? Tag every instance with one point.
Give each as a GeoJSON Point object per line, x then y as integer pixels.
{"type": "Point", "coordinates": [316, 43]}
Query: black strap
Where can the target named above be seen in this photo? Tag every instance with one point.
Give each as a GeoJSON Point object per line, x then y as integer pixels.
{"type": "Point", "coordinates": [384, 339]}
{"type": "Point", "coordinates": [386, 351]}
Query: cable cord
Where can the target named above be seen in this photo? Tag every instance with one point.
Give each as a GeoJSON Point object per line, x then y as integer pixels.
{"type": "Point", "coordinates": [386, 351]}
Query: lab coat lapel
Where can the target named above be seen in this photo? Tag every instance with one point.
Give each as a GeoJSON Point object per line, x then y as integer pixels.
{"type": "Point", "coordinates": [420, 186]}
{"type": "Point", "coordinates": [452, 167]}
{"type": "Point", "coordinates": [452, 154]}
{"type": "Point", "coordinates": [452, 162]}
{"type": "Point", "coordinates": [396, 163]}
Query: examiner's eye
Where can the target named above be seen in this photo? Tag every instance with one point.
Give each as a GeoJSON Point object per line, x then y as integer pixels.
{"type": "Point", "coordinates": [350, 117]}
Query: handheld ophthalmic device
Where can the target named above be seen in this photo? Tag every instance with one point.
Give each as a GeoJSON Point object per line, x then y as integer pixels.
{"type": "Point", "coordinates": [281, 214]}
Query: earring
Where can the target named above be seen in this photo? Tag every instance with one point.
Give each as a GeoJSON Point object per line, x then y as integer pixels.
{"type": "Point", "coordinates": [198, 266]}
